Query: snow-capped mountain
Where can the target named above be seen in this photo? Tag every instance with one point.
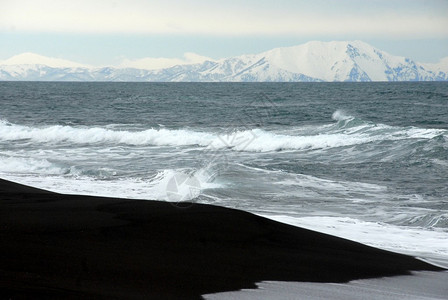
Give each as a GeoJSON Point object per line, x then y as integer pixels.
{"type": "Point", "coordinates": [313, 61]}
{"type": "Point", "coordinates": [33, 59]}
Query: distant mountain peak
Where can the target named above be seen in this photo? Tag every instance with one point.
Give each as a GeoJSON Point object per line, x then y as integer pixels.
{"type": "Point", "coordinates": [29, 58]}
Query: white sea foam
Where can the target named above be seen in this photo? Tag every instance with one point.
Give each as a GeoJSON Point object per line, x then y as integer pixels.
{"type": "Point", "coordinates": [27, 165]}
{"type": "Point", "coordinates": [312, 182]}
{"type": "Point", "coordinates": [311, 186]}
{"type": "Point", "coordinates": [97, 135]}
{"type": "Point", "coordinates": [340, 115]}
{"type": "Point", "coordinates": [255, 140]}
{"type": "Point", "coordinates": [74, 181]}
{"type": "Point", "coordinates": [268, 141]}
{"type": "Point", "coordinates": [159, 186]}
{"type": "Point", "coordinates": [133, 188]}
{"type": "Point", "coordinates": [415, 241]}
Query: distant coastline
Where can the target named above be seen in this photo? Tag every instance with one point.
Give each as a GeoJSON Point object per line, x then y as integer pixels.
{"type": "Point", "coordinates": [354, 61]}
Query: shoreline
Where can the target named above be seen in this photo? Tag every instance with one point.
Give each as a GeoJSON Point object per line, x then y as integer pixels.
{"type": "Point", "coordinates": [74, 246]}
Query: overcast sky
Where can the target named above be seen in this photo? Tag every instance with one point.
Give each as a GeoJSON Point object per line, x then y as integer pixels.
{"type": "Point", "coordinates": [100, 32]}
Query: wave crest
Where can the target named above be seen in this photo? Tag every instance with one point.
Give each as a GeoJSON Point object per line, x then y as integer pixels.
{"type": "Point", "coordinates": [347, 131]}
{"type": "Point", "coordinates": [340, 115]}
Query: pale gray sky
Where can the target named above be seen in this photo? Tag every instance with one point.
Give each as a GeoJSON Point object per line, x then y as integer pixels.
{"type": "Point", "coordinates": [112, 32]}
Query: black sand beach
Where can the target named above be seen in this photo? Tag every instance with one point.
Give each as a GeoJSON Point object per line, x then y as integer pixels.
{"type": "Point", "coordinates": [69, 246]}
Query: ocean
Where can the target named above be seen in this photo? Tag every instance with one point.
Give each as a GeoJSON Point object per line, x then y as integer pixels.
{"type": "Point", "coordinates": [364, 161]}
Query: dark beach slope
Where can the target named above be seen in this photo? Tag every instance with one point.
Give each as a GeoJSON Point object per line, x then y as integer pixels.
{"type": "Point", "coordinates": [69, 246]}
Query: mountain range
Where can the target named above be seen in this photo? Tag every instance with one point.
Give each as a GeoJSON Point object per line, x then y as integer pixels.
{"type": "Point", "coordinates": [310, 62]}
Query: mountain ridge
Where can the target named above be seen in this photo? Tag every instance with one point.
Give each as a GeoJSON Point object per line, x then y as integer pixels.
{"type": "Point", "coordinates": [310, 62]}
{"type": "Point", "coordinates": [29, 58]}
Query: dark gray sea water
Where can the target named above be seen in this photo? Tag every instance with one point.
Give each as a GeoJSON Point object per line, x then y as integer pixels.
{"type": "Point", "coordinates": [366, 161]}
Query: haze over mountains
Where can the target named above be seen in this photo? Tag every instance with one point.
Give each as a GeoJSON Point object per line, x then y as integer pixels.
{"type": "Point", "coordinates": [313, 61]}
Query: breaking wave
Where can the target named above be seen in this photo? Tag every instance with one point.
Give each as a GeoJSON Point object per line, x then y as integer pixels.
{"type": "Point", "coordinates": [28, 165]}
{"type": "Point", "coordinates": [98, 135]}
{"type": "Point", "coordinates": [347, 131]}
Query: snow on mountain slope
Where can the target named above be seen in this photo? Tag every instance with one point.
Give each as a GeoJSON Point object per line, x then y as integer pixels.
{"type": "Point", "coordinates": [36, 59]}
{"type": "Point", "coordinates": [439, 69]}
{"type": "Point", "coordinates": [313, 61]}
{"type": "Point", "coordinates": [345, 61]}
